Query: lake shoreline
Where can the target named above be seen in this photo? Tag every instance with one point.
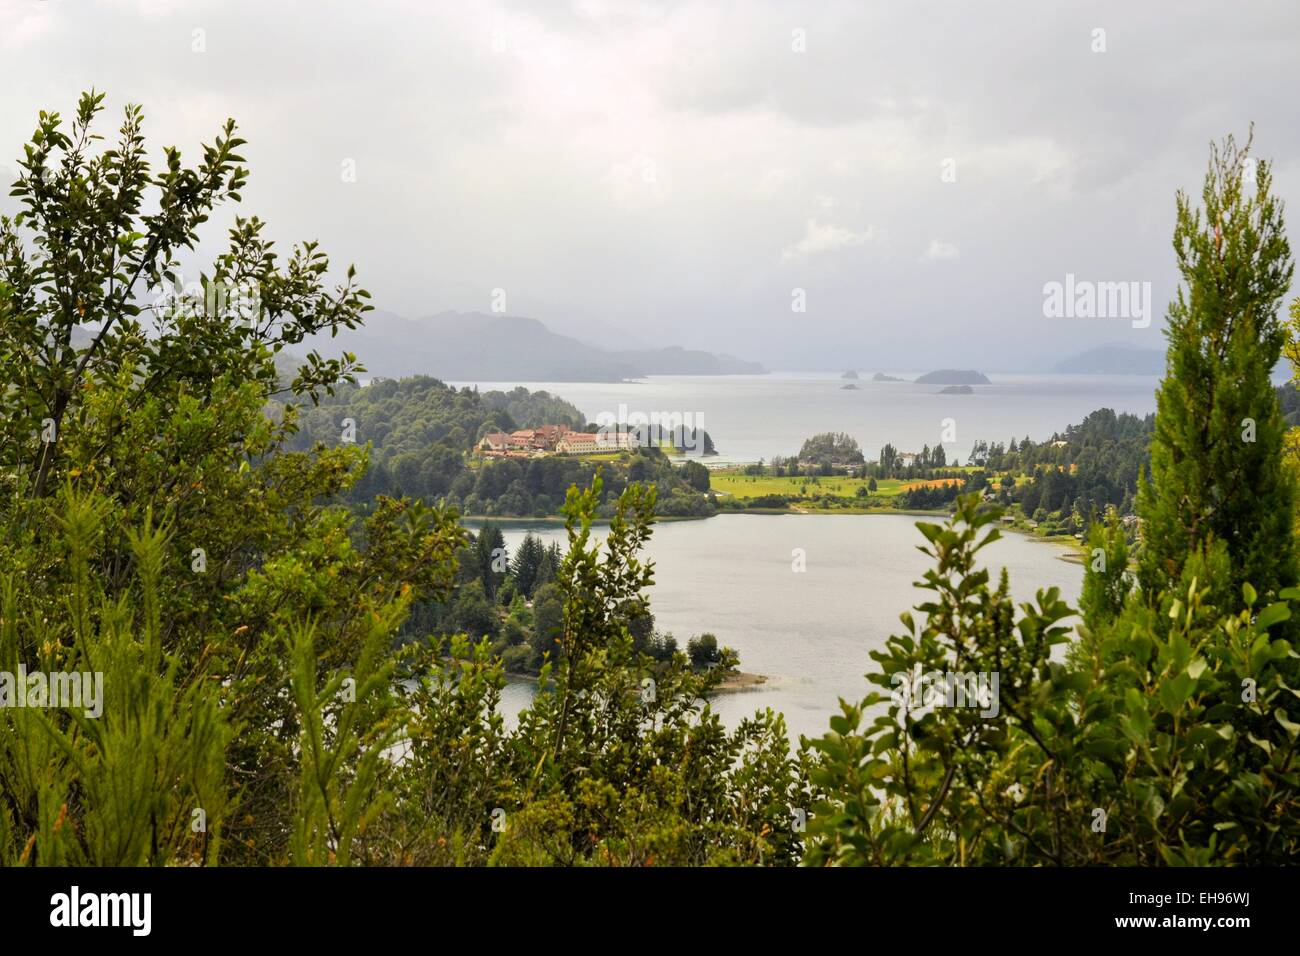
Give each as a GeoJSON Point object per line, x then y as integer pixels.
{"type": "Point", "coordinates": [667, 519]}
{"type": "Point", "coordinates": [557, 520]}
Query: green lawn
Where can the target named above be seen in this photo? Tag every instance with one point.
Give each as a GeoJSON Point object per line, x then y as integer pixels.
{"type": "Point", "coordinates": [599, 456]}
{"type": "Point", "coordinates": [747, 486]}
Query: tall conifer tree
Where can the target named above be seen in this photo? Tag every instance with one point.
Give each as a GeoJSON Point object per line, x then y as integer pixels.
{"type": "Point", "coordinates": [1217, 473]}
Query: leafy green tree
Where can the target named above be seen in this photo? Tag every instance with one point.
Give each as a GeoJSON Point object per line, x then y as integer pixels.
{"type": "Point", "coordinates": [696, 475]}
{"type": "Point", "coordinates": [834, 448]}
{"type": "Point", "coordinates": [703, 650]}
{"type": "Point", "coordinates": [642, 629]}
{"type": "Point", "coordinates": [1106, 580]}
{"type": "Point", "coordinates": [457, 766]}
{"type": "Point", "coordinates": [513, 631]}
{"type": "Point", "coordinates": [473, 613]}
{"type": "Point", "coordinates": [1216, 469]}
{"type": "Point", "coordinates": [98, 228]}
{"type": "Point", "coordinates": [548, 624]}
{"type": "Point", "coordinates": [662, 646]}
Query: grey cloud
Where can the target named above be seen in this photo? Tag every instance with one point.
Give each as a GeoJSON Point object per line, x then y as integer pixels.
{"type": "Point", "coordinates": [497, 145]}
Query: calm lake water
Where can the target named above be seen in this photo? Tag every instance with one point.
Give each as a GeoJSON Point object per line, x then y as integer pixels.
{"type": "Point", "coordinates": [757, 416]}
{"type": "Point", "coordinates": [809, 633]}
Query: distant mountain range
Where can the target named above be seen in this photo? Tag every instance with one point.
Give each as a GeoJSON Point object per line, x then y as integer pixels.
{"type": "Point", "coordinates": [474, 346]}
{"type": "Point", "coordinates": [1114, 360]}
{"type": "Point", "coordinates": [675, 360]}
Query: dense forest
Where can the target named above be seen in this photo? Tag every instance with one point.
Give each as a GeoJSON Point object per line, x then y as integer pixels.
{"type": "Point", "coordinates": [1078, 473]}
{"type": "Point", "coordinates": [261, 639]}
{"type": "Point", "coordinates": [514, 602]}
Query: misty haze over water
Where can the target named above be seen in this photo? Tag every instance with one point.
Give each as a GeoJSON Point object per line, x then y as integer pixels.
{"type": "Point", "coordinates": [752, 417]}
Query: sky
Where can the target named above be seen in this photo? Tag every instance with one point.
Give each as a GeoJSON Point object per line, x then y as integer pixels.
{"type": "Point", "coordinates": [812, 185]}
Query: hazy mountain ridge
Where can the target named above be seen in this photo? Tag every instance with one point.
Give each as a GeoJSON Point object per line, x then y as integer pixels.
{"type": "Point", "coordinates": [1113, 360]}
{"type": "Point", "coordinates": [675, 360]}
{"type": "Point", "coordinates": [474, 346]}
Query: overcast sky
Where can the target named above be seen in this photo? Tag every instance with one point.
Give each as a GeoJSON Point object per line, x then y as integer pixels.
{"type": "Point", "coordinates": [674, 171]}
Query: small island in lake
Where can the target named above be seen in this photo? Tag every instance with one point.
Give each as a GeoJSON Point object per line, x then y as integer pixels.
{"type": "Point", "coordinates": [882, 377]}
{"type": "Point", "coordinates": [957, 390]}
{"type": "Point", "coordinates": [850, 385]}
{"type": "Point", "coordinates": [952, 376]}
{"type": "Point", "coordinates": [850, 374]}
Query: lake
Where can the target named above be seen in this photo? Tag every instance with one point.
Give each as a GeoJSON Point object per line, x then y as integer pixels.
{"type": "Point", "coordinates": [757, 416]}
{"type": "Point", "coordinates": [808, 632]}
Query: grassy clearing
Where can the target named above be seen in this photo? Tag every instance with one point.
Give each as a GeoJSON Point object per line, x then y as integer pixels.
{"type": "Point", "coordinates": [930, 483]}
{"type": "Point", "coordinates": [598, 456]}
{"type": "Point", "coordinates": [754, 486]}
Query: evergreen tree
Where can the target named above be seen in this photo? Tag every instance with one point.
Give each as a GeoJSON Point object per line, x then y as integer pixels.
{"type": "Point", "coordinates": [527, 563]}
{"type": "Point", "coordinates": [1217, 475]}
{"type": "Point", "coordinates": [548, 566]}
{"type": "Point", "coordinates": [491, 558]}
